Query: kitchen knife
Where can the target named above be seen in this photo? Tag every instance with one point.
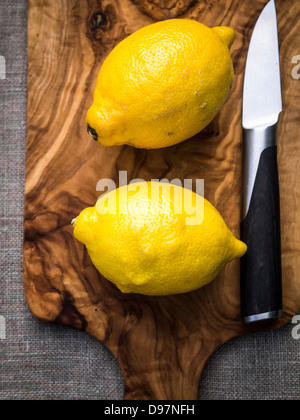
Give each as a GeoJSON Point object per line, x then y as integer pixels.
{"type": "Point", "coordinates": [261, 288]}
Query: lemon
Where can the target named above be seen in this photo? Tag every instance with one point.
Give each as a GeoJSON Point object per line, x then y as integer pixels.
{"type": "Point", "coordinates": [162, 84]}
{"type": "Point", "coordinates": [156, 238]}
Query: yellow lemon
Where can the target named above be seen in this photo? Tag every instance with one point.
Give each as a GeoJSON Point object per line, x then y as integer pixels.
{"type": "Point", "coordinates": [156, 238]}
{"type": "Point", "coordinates": [162, 84]}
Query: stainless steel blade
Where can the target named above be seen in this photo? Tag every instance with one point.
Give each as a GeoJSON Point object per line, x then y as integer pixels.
{"type": "Point", "coordinates": [262, 101]}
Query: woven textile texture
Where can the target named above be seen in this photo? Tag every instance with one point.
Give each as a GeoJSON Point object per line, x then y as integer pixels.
{"type": "Point", "coordinates": [45, 361]}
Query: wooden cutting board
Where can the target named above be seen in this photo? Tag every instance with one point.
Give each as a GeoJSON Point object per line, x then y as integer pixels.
{"type": "Point", "coordinates": [160, 343]}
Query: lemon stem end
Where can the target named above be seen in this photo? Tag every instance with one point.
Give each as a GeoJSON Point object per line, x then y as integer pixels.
{"type": "Point", "coordinates": [227, 34]}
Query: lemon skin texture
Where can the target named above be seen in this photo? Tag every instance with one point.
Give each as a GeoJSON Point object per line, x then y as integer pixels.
{"type": "Point", "coordinates": [162, 85]}
{"type": "Point", "coordinates": [151, 245]}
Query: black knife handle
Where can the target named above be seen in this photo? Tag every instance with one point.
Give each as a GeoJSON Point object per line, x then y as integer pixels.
{"type": "Point", "coordinates": [261, 287]}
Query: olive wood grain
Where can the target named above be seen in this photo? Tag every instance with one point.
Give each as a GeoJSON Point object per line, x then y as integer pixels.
{"type": "Point", "coordinates": [161, 343]}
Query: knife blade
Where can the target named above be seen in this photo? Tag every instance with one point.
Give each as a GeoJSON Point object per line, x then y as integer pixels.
{"type": "Point", "coordinates": [261, 284]}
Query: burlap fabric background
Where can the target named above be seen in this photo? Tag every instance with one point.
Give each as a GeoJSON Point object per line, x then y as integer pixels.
{"type": "Point", "coordinates": [45, 361]}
